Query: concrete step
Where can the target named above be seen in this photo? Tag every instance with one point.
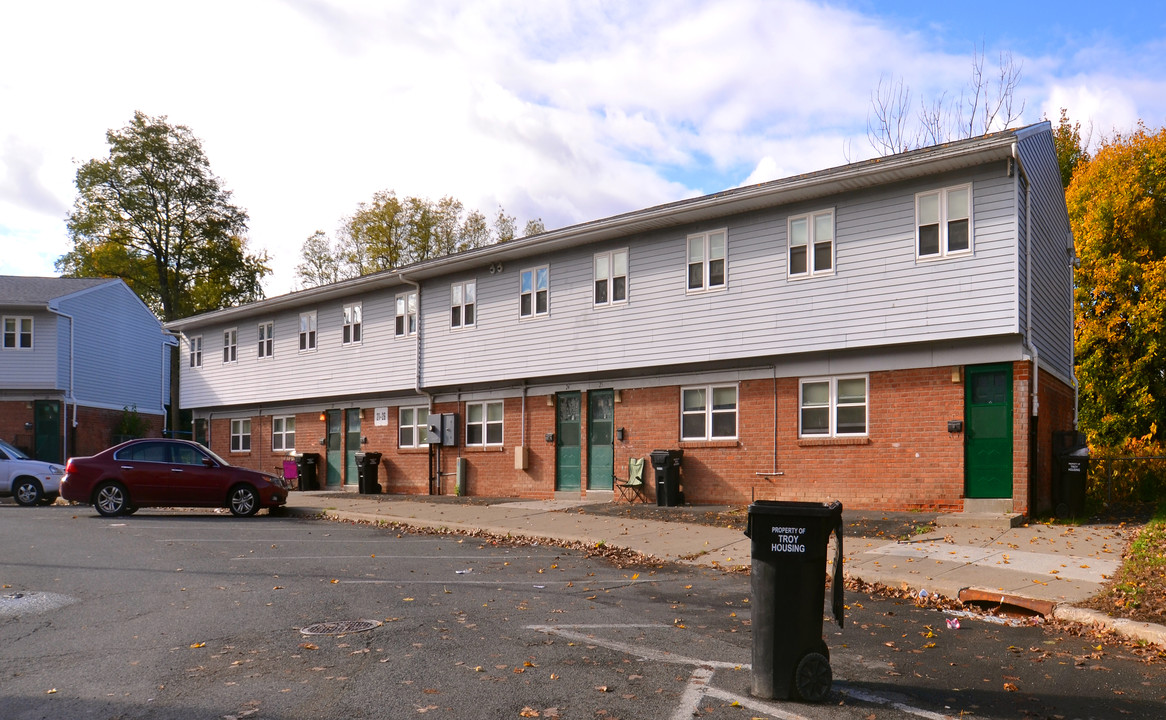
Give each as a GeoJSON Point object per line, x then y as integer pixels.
{"type": "Point", "coordinates": [993, 520]}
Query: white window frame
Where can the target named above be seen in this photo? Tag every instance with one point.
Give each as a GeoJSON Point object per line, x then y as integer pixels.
{"type": "Point", "coordinates": [705, 245]}
{"type": "Point", "coordinates": [308, 332]}
{"type": "Point", "coordinates": [353, 317]}
{"type": "Point", "coordinates": [463, 304]}
{"type": "Point", "coordinates": [606, 272]}
{"type": "Point", "coordinates": [944, 222]}
{"type": "Point", "coordinates": [833, 405]}
{"type": "Point", "coordinates": [709, 412]}
{"type": "Point", "coordinates": [485, 424]}
{"type": "Point", "coordinates": [266, 335]}
{"type": "Point", "coordinates": [230, 346]}
{"type": "Point", "coordinates": [406, 325]}
{"type": "Point", "coordinates": [279, 431]}
{"type": "Point", "coordinates": [535, 291]}
{"type": "Point", "coordinates": [812, 240]}
{"type": "Point", "coordinates": [196, 351]}
{"type": "Point", "coordinates": [22, 327]}
{"type": "Point", "coordinates": [241, 435]}
{"type": "Point", "coordinates": [418, 426]}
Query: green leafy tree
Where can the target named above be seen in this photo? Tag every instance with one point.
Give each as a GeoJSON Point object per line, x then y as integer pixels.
{"type": "Point", "coordinates": [1117, 207]}
{"type": "Point", "coordinates": [154, 215]}
{"type": "Point", "coordinates": [504, 227]}
{"type": "Point", "coordinates": [1072, 151]}
{"type": "Point", "coordinates": [534, 227]}
{"type": "Point", "coordinates": [320, 262]}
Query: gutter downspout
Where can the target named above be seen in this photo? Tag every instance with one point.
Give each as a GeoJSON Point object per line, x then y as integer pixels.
{"type": "Point", "coordinates": [72, 399]}
{"type": "Point", "coordinates": [1034, 400]}
{"type": "Point", "coordinates": [417, 376]}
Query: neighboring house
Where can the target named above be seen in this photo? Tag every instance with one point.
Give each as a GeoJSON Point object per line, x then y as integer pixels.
{"type": "Point", "coordinates": [75, 353]}
{"type": "Point", "coordinates": [895, 334]}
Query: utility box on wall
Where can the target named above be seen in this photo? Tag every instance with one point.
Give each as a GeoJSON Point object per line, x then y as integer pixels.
{"type": "Point", "coordinates": [443, 429]}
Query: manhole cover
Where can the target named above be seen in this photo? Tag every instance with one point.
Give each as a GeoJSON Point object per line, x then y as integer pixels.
{"type": "Point", "coordinates": [340, 627]}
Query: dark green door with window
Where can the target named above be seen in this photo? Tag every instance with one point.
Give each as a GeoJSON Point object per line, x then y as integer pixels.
{"type": "Point", "coordinates": [334, 449]}
{"type": "Point", "coordinates": [600, 439]}
{"type": "Point", "coordinates": [988, 410]}
{"type": "Point", "coordinates": [47, 430]}
{"type": "Point", "coordinates": [568, 441]}
{"type": "Point", "coordinates": [351, 445]}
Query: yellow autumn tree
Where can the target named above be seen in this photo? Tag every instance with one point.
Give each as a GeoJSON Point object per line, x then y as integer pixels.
{"type": "Point", "coordinates": [1117, 207]}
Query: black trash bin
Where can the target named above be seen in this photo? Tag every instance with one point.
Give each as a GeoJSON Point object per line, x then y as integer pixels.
{"type": "Point", "coordinates": [306, 465]}
{"type": "Point", "coordinates": [790, 659]}
{"type": "Point", "coordinates": [367, 464]}
{"type": "Point", "coordinates": [1071, 456]}
{"type": "Point", "coordinates": [666, 463]}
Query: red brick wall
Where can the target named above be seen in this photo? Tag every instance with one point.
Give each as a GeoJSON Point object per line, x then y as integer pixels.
{"type": "Point", "coordinates": [93, 433]}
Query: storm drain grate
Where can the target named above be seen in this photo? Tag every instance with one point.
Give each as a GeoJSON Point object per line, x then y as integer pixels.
{"type": "Point", "coordinates": [339, 627]}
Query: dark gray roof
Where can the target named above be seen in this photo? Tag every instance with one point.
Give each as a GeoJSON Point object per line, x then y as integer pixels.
{"type": "Point", "coordinates": [39, 291]}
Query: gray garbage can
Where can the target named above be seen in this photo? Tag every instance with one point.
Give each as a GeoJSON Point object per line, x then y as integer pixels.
{"type": "Point", "coordinates": [790, 659]}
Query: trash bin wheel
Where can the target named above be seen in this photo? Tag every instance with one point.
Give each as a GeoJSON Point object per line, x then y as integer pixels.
{"type": "Point", "coordinates": [813, 678]}
{"type": "Point", "coordinates": [1062, 510]}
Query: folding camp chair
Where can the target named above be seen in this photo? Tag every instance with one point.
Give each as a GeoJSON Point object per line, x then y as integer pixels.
{"type": "Point", "coordinates": [633, 488]}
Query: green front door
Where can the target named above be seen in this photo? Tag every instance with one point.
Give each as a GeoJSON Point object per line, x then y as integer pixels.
{"type": "Point", "coordinates": [47, 430]}
{"type": "Point", "coordinates": [988, 454]}
{"type": "Point", "coordinates": [334, 461]}
{"type": "Point", "coordinates": [351, 445]}
{"type": "Point", "coordinates": [568, 441]}
{"type": "Point", "coordinates": [600, 439]}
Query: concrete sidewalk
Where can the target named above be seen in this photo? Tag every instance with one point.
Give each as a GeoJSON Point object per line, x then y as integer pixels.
{"type": "Point", "coordinates": [1044, 568]}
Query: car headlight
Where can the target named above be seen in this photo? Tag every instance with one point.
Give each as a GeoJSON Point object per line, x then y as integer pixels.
{"type": "Point", "coordinates": [56, 470]}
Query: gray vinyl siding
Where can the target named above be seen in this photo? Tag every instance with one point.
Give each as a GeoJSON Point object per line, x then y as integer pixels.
{"type": "Point", "coordinates": [35, 369]}
{"type": "Point", "coordinates": [118, 350]}
{"type": "Point", "coordinates": [380, 363]}
{"type": "Point", "coordinates": [1052, 309]}
{"type": "Point", "coordinates": [880, 294]}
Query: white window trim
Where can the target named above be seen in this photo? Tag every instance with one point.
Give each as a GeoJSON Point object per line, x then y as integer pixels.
{"type": "Point", "coordinates": [419, 426]}
{"type": "Point", "coordinates": [943, 221]}
{"type": "Point", "coordinates": [611, 276]}
{"type": "Point", "coordinates": [307, 339]}
{"type": "Point", "coordinates": [461, 308]}
{"type": "Point", "coordinates": [705, 286]}
{"type": "Point", "coordinates": [407, 320]}
{"type": "Point", "coordinates": [195, 351]}
{"type": "Point", "coordinates": [18, 332]}
{"type": "Point", "coordinates": [231, 349]}
{"type": "Point", "coordinates": [283, 434]}
{"type": "Point", "coordinates": [534, 312]}
{"type": "Point", "coordinates": [709, 412]}
{"type": "Point", "coordinates": [833, 406]}
{"type": "Point", "coordinates": [237, 433]}
{"type": "Point", "coordinates": [355, 328]}
{"type": "Point", "coordinates": [811, 238]}
{"type": "Point", "coordinates": [485, 423]}
{"type": "Point", "coordinates": [265, 335]}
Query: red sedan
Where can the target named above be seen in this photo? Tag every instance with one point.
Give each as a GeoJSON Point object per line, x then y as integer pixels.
{"type": "Point", "coordinates": [167, 473]}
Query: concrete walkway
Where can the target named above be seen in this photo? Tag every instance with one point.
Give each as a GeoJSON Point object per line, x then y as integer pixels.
{"type": "Point", "coordinates": [1042, 567]}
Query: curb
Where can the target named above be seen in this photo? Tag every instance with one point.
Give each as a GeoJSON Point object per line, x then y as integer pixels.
{"type": "Point", "coordinates": [1141, 631]}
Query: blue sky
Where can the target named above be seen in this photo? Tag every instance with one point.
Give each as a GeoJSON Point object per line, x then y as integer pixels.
{"type": "Point", "coordinates": [565, 111]}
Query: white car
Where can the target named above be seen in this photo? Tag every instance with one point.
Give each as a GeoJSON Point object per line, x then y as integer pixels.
{"type": "Point", "coordinates": [30, 481]}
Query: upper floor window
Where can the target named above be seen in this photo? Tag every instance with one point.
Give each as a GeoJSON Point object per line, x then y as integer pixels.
{"type": "Point", "coordinates": [307, 331]}
{"type": "Point", "coordinates": [351, 335]}
{"type": "Point", "coordinates": [811, 244]}
{"type": "Point", "coordinates": [833, 406]}
{"type": "Point", "coordinates": [611, 277]}
{"type": "Point", "coordinates": [943, 222]}
{"type": "Point", "coordinates": [707, 260]}
{"type": "Point", "coordinates": [413, 429]}
{"type": "Point", "coordinates": [484, 423]}
{"type": "Point", "coordinates": [708, 413]}
{"type": "Point", "coordinates": [283, 432]}
{"type": "Point", "coordinates": [18, 333]}
{"type": "Point", "coordinates": [266, 339]}
{"type": "Point", "coordinates": [462, 301]}
{"type": "Point", "coordinates": [407, 314]}
{"type": "Point", "coordinates": [534, 289]}
{"type": "Point", "coordinates": [196, 351]}
{"type": "Point", "coordinates": [230, 345]}
{"type": "Point", "coordinates": [241, 435]}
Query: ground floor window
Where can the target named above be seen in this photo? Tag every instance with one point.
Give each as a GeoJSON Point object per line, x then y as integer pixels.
{"type": "Point", "coordinates": [833, 406]}
{"type": "Point", "coordinates": [414, 427]}
{"type": "Point", "coordinates": [283, 433]}
{"type": "Point", "coordinates": [241, 435]}
{"type": "Point", "coordinates": [484, 423]}
{"type": "Point", "coordinates": [708, 412]}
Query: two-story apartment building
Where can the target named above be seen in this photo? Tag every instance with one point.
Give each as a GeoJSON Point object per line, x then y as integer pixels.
{"type": "Point", "coordinates": [896, 333]}
{"type": "Point", "coordinates": [75, 353]}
